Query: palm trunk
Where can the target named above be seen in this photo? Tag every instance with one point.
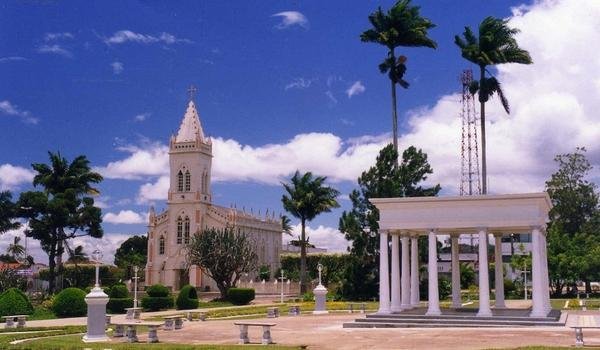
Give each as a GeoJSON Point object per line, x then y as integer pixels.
{"type": "Point", "coordinates": [483, 148]}
{"type": "Point", "coordinates": [303, 286]}
{"type": "Point", "coordinates": [394, 112]}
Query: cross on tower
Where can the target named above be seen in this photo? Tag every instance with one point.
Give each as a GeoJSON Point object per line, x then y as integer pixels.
{"type": "Point", "coordinates": [192, 90]}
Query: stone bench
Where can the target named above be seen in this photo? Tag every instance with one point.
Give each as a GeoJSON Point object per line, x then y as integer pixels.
{"type": "Point", "coordinates": [294, 310]}
{"type": "Point", "coordinates": [584, 322]}
{"type": "Point", "coordinates": [10, 321]}
{"type": "Point", "coordinates": [199, 315]}
{"type": "Point", "coordinates": [266, 337]}
{"type": "Point", "coordinates": [131, 332]}
{"type": "Point", "coordinates": [173, 322]}
{"type": "Point", "coordinates": [133, 313]}
{"type": "Point", "coordinates": [272, 312]}
{"type": "Point", "coordinates": [360, 306]}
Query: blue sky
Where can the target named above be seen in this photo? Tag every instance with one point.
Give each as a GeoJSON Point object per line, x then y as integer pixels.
{"type": "Point", "coordinates": [109, 79]}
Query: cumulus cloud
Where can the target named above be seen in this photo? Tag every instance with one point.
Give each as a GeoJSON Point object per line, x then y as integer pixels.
{"type": "Point", "coordinates": [141, 117]}
{"type": "Point", "coordinates": [58, 36]}
{"type": "Point", "coordinates": [153, 191]}
{"type": "Point", "coordinates": [125, 217]}
{"type": "Point", "coordinates": [55, 49]}
{"type": "Point", "coordinates": [12, 176]}
{"type": "Point", "coordinates": [322, 237]}
{"type": "Point", "coordinates": [117, 67]}
{"type": "Point", "coordinates": [149, 159]}
{"type": "Point", "coordinates": [291, 18]}
{"type": "Point", "coordinates": [124, 36]}
{"type": "Point", "coordinates": [356, 88]}
{"type": "Point", "coordinates": [7, 108]}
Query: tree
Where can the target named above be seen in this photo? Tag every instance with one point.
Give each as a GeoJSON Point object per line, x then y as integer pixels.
{"type": "Point", "coordinates": [15, 249]}
{"type": "Point", "coordinates": [403, 26]}
{"type": "Point", "coordinates": [225, 255]}
{"type": "Point", "coordinates": [77, 255]}
{"type": "Point", "coordinates": [574, 227]}
{"type": "Point", "coordinates": [307, 197]}
{"type": "Point", "coordinates": [132, 252]}
{"type": "Point", "coordinates": [8, 213]}
{"type": "Point", "coordinates": [286, 226]}
{"type": "Point", "coordinates": [64, 209]}
{"type": "Point", "coordinates": [496, 44]}
{"type": "Point", "coordinates": [360, 225]}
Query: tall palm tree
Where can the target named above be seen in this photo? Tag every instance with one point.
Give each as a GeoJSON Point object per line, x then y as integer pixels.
{"type": "Point", "coordinates": [496, 44]}
{"type": "Point", "coordinates": [15, 249]}
{"type": "Point", "coordinates": [307, 197]}
{"type": "Point", "coordinates": [402, 25]}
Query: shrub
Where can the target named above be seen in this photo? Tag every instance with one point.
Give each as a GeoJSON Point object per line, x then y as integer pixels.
{"type": "Point", "coordinates": [240, 296]}
{"type": "Point", "coordinates": [187, 298]}
{"type": "Point", "coordinates": [9, 278]}
{"type": "Point", "coordinates": [118, 291]}
{"type": "Point", "coordinates": [118, 305]}
{"type": "Point", "coordinates": [444, 288]}
{"type": "Point", "coordinates": [157, 303]}
{"type": "Point", "coordinates": [158, 290]}
{"type": "Point", "coordinates": [14, 302]}
{"type": "Point", "coordinates": [308, 296]}
{"type": "Point", "coordinates": [70, 303]}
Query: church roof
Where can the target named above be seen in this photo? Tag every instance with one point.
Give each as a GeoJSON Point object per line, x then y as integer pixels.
{"type": "Point", "coordinates": [190, 127]}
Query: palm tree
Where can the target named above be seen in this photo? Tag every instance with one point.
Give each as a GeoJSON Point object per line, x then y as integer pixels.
{"type": "Point", "coordinates": [307, 197]}
{"type": "Point", "coordinates": [286, 226]}
{"type": "Point", "coordinates": [15, 249]}
{"type": "Point", "coordinates": [77, 255]}
{"type": "Point", "coordinates": [496, 44]}
{"type": "Point", "coordinates": [402, 25]}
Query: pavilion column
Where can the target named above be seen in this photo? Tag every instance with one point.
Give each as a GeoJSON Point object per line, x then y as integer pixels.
{"type": "Point", "coordinates": [396, 301]}
{"type": "Point", "coordinates": [499, 272]}
{"type": "Point", "coordinates": [546, 279]}
{"type": "Point", "coordinates": [433, 303]}
{"type": "Point", "coordinates": [414, 271]}
{"type": "Point", "coordinates": [484, 281]}
{"type": "Point", "coordinates": [537, 283]}
{"type": "Point", "coordinates": [456, 300]}
{"type": "Point", "coordinates": [405, 272]}
{"type": "Point", "coordinates": [384, 274]}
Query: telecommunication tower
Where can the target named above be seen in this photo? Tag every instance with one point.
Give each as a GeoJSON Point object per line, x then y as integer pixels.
{"type": "Point", "coordinates": [470, 183]}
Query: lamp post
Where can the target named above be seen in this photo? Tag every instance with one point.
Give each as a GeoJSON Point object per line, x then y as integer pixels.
{"type": "Point", "coordinates": [135, 288]}
{"type": "Point", "coordinates": [96, 302]}
{"type": "Point", "coordinates": [282, 286]}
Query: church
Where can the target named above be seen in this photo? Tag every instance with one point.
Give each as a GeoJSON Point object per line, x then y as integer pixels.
{"type": "Point", "coordinates": [190, 209]}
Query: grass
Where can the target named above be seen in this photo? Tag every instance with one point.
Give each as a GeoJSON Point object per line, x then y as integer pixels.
{"type": "Point", "coordinates": [41, 313]}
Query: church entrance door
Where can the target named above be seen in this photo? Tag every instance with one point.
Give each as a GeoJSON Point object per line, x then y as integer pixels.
{"type": "Point", "coordinates": [184, 278]}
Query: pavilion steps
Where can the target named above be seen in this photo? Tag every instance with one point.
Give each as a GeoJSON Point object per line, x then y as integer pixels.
{"type": "Point", "coordinates": [455, 320]}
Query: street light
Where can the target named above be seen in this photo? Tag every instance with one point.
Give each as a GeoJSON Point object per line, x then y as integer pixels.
{"type": "Point", "coordinates": [135, 279]}
{"type": "Point", "coordinates": [97, 256]}
{"type": "Point", "coordinates": [282, 286]}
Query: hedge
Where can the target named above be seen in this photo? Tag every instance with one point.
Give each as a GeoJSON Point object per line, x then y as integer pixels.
{"type": "Point", "coordinates": [14, 302]}
{"type": "Point", "coordinates": [333, 266]}
{"type": "Point", "coordinates": [70, 303]}
{"type": "Point", "coordinates": [118, 291]}
{"type": "Point", "coordinates": [158, 290]}
{"type": "Point", "coordinates": [187, 298]}
{"type": "Point", "coordinates": [118, 305]}
{"type": "Point", "coordinates": [240, 296]}
{"type": "Point", "coordinates": [157, 303]}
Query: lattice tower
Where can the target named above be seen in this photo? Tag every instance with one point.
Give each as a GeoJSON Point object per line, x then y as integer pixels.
{"type": "Point", "coordinates": [470, 183]}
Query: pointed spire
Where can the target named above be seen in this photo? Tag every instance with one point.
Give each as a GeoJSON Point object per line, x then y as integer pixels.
{"type": "Point", "coordinates": [190, 128]}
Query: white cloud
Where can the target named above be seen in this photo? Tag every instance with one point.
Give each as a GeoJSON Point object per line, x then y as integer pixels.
{"type": "Point", "coordinates": [331, 98]}
{"type": "Point", "coordinates": [141, 117]}
{"type": "Point", "coordinates": [125, 217]}
{"type": "Point", "coordinates": [291, 18]}
{"type": "Point", "coordinates": [55, 49]}
{"type": "Point", "coordinates": [7, 108]}
{"type": "Point", "coordinates": [117, 67]}
{"type": "Point", "coordinates": [58, 36]}
{"type": "Point", "coordinates": [124, 36]}
{"type": "Point", "coordinates": [299, 83]}
{"type": "Point", "coordinates": [149, 159]}
{"type": "Point", "coordinates": [322, 237]}
{"type": "Point", "coordinates": [12, 59]}
{"type": "Point", "coordinates": [154, 191]}
{"type": "Point", "coordinates": [12, 176]}
{"type": "Point", "coordinates": [356, 88]}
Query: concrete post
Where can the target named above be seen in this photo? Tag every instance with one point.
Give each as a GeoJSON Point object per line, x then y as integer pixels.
{"type": "Point", "coordinates": [414, 271]}
{"type": "Point", "coordinates": [433, 307]}
{"type": "Point", "coordinates": [384, 278]}
{"type": "Point", "coordinates": [405, 273]}
{"type": "Point", "coordinates": [96, 301]}
{"type": "Point", "coordinates": [484, 281]}
{"type": "Point", "coordinates": [456, 300]}
{"type": "Point", "coordinates": [499, 272]}
{"type": "Point", "coordinates": [547, 305]}
{"type": "Point", "coordinates": [396, 299]}
{"type": "Point", "coordinates": [537, 297]}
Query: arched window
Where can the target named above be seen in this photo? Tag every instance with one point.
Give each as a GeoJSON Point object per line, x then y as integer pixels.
{"type": "Point", "coordinates": [179, 230]}
{"type": "Point", "coordinates": [161, 245]}
{"type": "Point", "coordinates": [188, 181]}
{"type": "Point", "coordinates": [180, 181]}
{"type": "Point", "coordinates": [186, 230]}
